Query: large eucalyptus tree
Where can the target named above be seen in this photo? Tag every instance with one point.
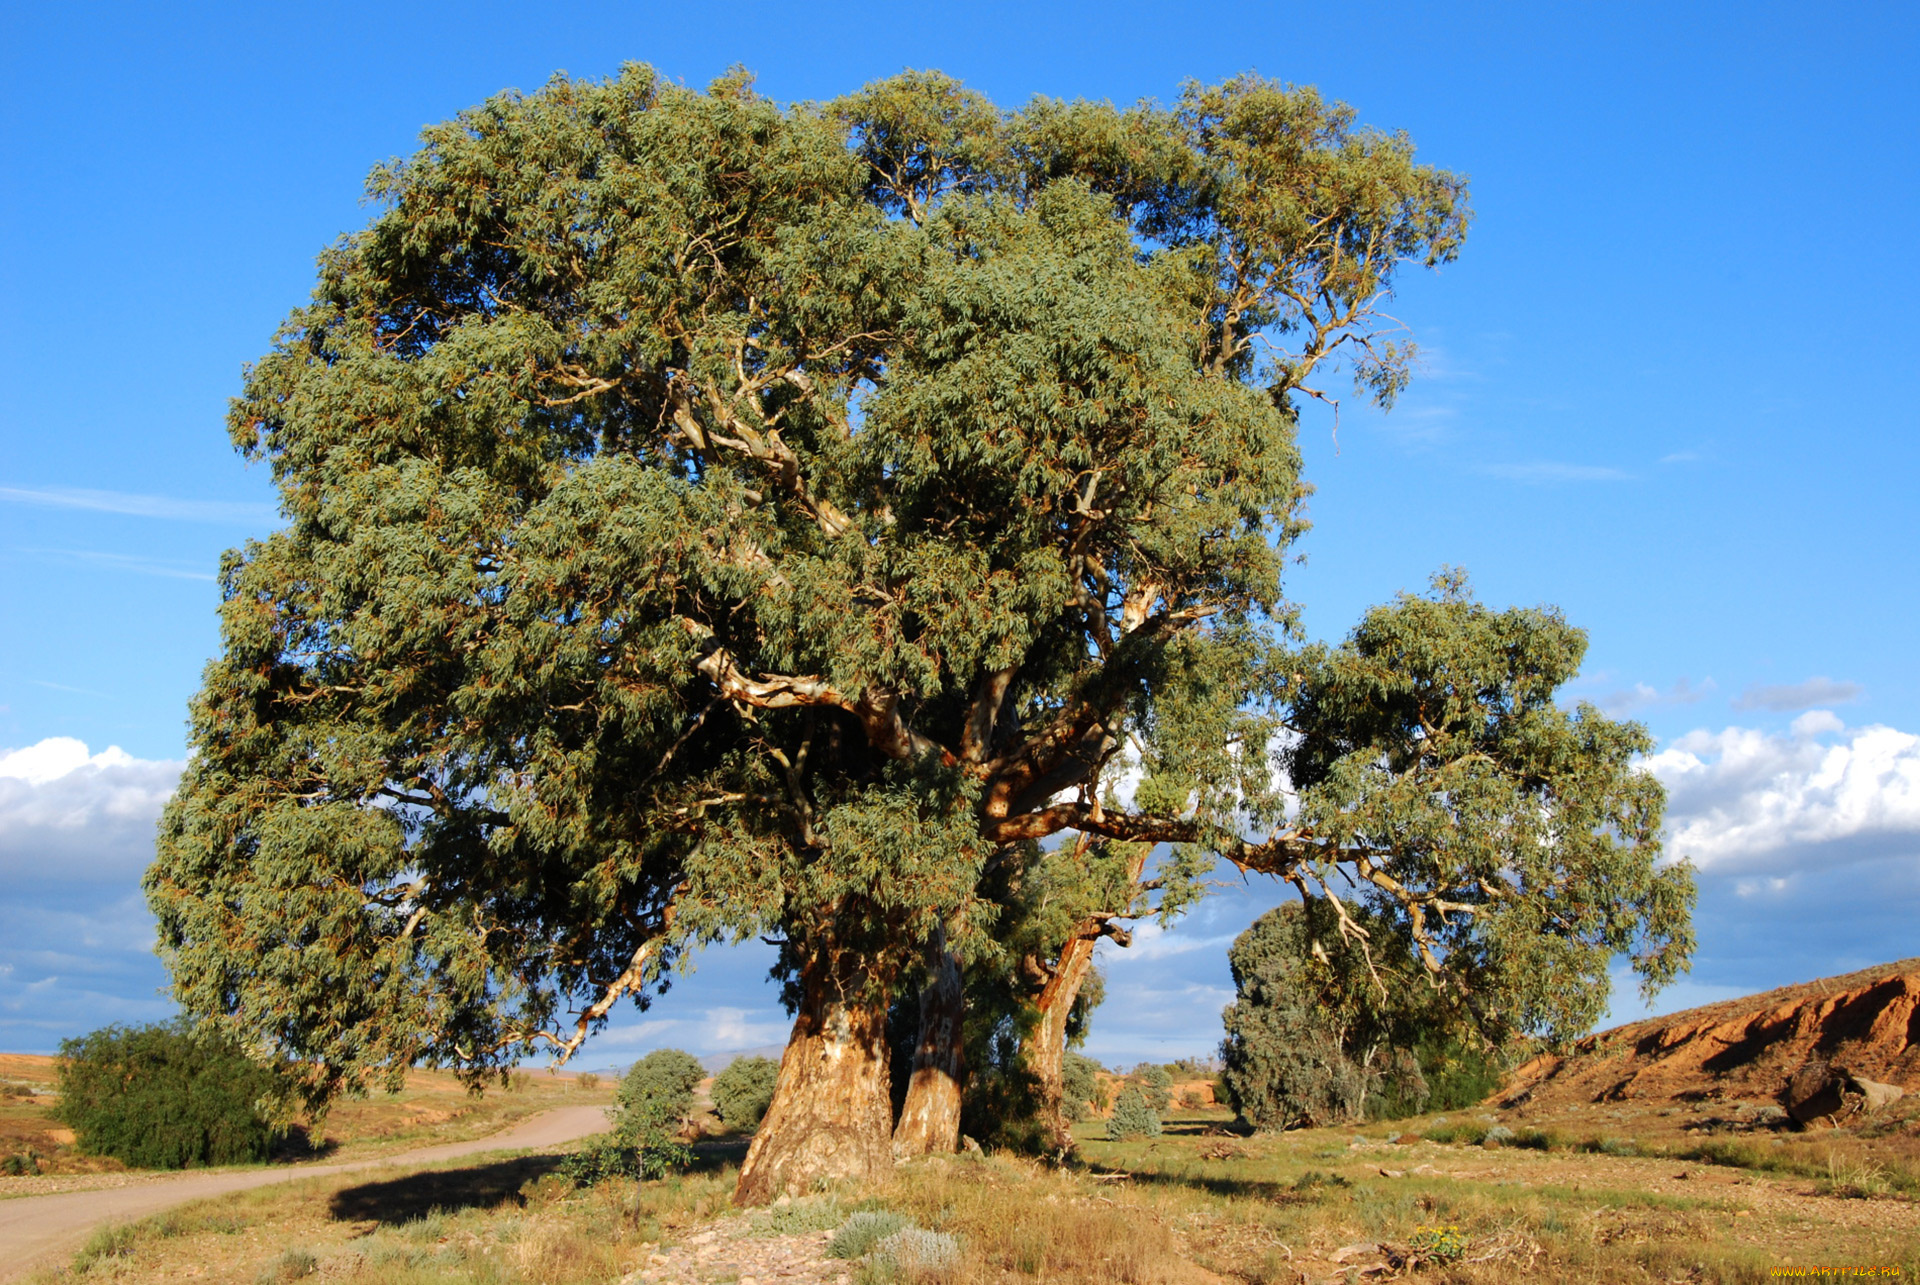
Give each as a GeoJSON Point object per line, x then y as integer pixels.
{"type": "Point", "coordinates": [707, 518]}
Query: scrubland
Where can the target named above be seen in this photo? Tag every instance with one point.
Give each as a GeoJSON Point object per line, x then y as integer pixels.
{"type": "Point", "coordinates": [1428, 1199]}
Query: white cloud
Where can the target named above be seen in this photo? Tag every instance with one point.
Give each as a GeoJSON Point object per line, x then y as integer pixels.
{"type": "Point", "coordinates": [1792, 696]}
{"type": "Point", "coordinates": [233, 512]}
{"type": "Point", "coordinates": [1755, 803]}
{"type": "Point", "coordinates": [68, 815]}
{"type": "Point", "coordinates": [1547, 472]}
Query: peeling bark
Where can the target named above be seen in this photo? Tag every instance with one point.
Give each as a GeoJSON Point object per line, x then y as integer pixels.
{"type": "Point", "coordinates": [930, 1119]}
{"type": "Point", "coordinates": [831, 1117]}
{"type": "Point", "coordinates": [1047, 1046]}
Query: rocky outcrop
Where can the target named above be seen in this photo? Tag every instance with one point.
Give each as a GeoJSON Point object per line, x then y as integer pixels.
{"type": "Point", "coordinates": [1825, 1050]}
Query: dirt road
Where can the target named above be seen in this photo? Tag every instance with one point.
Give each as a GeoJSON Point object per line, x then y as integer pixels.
{"type": "Point", "coordinates": [36, 1230]}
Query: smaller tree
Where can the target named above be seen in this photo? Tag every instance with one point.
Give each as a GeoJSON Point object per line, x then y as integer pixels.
{"type": "Point", "coordinates": [743, 1091]}
{"type": "Point", "coordinates": [1159, 1087]}
{"type": "Point", "coordinates": [1132, 1118]}
{"type": "Point", "coordinates": [167, 1097]}
{"type": "Point", "coordinates": [650, 1111]}
{"type": "Point", "coordinates": [660, 1084]}
{"type": "Point", "coordinates": [1080, 1085]}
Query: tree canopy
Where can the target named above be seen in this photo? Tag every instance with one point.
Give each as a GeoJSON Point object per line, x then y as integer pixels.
{"type": "Point", "coordinates": [708, 518]}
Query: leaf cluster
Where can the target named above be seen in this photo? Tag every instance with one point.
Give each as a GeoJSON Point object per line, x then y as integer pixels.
{"type": "Point", "coordinates": [168, 1097]}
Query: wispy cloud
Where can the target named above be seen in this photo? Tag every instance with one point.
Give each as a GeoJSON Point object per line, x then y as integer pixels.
{"type": "Point", "coordinates": [122, 562]}
{"type": "Point", "coordinates": [62, 687]}
{"type": "Point", "coordinates": [1643, 695]}
{"type": "Point", "coordinates": [1787, 697]}
{"type": "Point", "coordinates": [231, 512]}
{"type": "Point", "coordinates": [1549, 472]}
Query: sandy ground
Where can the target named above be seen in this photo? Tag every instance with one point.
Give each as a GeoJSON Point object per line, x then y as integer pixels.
{"type": "Point", "coordinates": [35, 1230]}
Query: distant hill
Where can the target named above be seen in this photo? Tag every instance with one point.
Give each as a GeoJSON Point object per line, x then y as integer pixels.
{"type": "Point", "coordinates": [718, 1062]}
{"type": "Point", "coordinates": [1866, 1024]}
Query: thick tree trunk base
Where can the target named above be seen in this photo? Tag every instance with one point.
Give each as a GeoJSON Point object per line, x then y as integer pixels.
{"type": "Point", "coordinates": [930, 1119]}
{"type": "Point", "coordinates": [830, 1120]}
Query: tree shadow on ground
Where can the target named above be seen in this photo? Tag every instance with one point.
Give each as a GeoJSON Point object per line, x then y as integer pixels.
{"type": "Point", "coordinates": [1223, 1185]}
{"type": "Point", "coordinates": [485, 1186]}
{"type": "Point", "coordinates": [711, 1155]}
{"type": "Point", "coordinates": [405, 1200]}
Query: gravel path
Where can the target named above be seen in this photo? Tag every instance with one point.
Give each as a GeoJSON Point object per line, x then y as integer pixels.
{"type": "Point", "coordinates": [37, 1229]}
{"type": "Point", "coordinates": [729, 1250]}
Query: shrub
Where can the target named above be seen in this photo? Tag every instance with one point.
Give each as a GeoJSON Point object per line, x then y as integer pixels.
{"type": "Point", "coordinates": [643, 1144]}
{"type": "Point", "coordinates": [914, 1250]}
{"type": "Point", "coordinates": [1441, 1244]}
{"type": "Point", "coordinates": [112, 1241]}
{"type": "Point", "coordinates": [664, 1078]}
{"type": "Point", "coordinates": [1079, 1085]}
{"type": "Point", "coordinates": [292, 1265]}
{"type": "Point", "coordinates": [586, 1081]}
{"type": "Point", "coordinates": [1159, 1087]}
{"type": "Point", "coordinates": [743, 1091]}
{"type": "Point", "coordinates": [649, 1110]}
{"type": "Point", "coordinates": [1285, 1068]}
{"type": "Point", "coordinates": [1132, 1118]}
{"type": "Point", "coordinates": [166, 1097]}
{"type": "Point", "coordinates": [857, 1237]}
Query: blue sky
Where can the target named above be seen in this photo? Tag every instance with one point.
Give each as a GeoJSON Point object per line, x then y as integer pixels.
{"type": "Point", "coordinates": [1668, 386]}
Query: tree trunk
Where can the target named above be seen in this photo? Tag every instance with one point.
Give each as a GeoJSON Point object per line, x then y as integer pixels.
{"type": "Point", "coordinates": [831, 1117]}
{"type": "Point", "coordinates": [1047, 1046]}
{"type": "Point", "coordinates": [930, 1119]}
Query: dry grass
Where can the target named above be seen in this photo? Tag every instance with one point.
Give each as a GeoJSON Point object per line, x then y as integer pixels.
{"type": "Point", "coordinates": [1193, 1207]}
{"type": "Point", "coordinates": [505, 1221]}
{"type": "Point", "coordinates": [431, 1107]}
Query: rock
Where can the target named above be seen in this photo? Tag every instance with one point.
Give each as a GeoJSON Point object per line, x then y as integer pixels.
{"type": "Point", "coordinates": [1360, 1250]}
{"type": "Point", "coordinates": [1874, 1094]}
{"type": "Point", "coordinates": [1814, 1092]}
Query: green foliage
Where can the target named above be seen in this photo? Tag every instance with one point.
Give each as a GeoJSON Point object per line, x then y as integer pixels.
{"type": "Point", "coordinates": [707, 519]}
{"type": "Point", "coordinates": [1509, 846]}
{"type": "Point", "coordinates": [1458, 1073]}
{"type": "Point", "coordinates": [1133, 1117]}
{"type": "Point", "coordinates": [661, 1083]}
{"type": "Point", "coordinates": [1286, 1068]}
{"type": "Point", "coordinates": [644, 1143]}
{"type": "Point", "coordinates": [1080, 1085]}
{"type": "Point", "coordinates": [650, 1108]}
{"type": "Point", "coordinates": [1157, 1086]}
{"type": "Point", "coordinates": [743, 1091]}
{"type": "Point", "coordinates": [1447, 1244]}
{"type": "Point", "coordinates": [167, 1097]}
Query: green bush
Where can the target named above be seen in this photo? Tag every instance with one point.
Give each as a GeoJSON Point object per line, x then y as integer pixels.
{"type": "Point", "coordinates": [166, 1097]}
{"type": "Point", "coordinates": [1132, 1118]}
{"type": "Point", "coordinates": [1079, 1085]}
{"type": "Point", "coordinates": [1159, 1087]}
{"type": "Point", "coordinates": [663, 1078]}
{"type": "Point", "coordinates": [743, 1091]}
{"type": "Point", "coordinates": [1285, 1068]}
{"type": "Point", "coordinates": [649, 1109]}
